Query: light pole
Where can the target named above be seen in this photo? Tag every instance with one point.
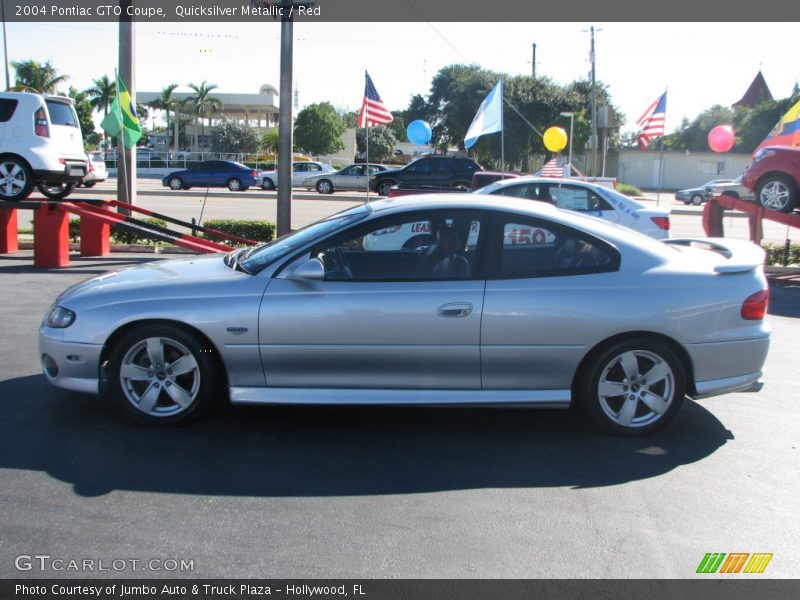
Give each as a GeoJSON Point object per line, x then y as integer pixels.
{"type": "Point", "coordinates": [571, 116]}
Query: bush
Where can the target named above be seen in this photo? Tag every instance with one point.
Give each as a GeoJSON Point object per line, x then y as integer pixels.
{"type": "Point", "coordinates": [74, 230]}
{"type": "Point", "coordinates": [628, 190]}
{"type": "Point", "coordinates": [260, 231]}
{"type": "Point", "coordinates": [121, 236]}
{"type": "Point", "coordinates": [776, 253]}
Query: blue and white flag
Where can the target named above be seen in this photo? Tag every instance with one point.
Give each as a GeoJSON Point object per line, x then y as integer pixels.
{"type": "Point", "coordinates": [489, 118]}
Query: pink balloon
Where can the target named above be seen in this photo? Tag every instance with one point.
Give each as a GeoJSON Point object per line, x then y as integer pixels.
{"type": "Point", "coordinates": [721, 138]}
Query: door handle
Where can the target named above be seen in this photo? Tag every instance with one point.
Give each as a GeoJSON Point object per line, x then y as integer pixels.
{"type": "Point", "coordinates": [454, 309]}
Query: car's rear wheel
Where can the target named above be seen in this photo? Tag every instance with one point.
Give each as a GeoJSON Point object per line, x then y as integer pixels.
{"type": "Point", "coordinates": [176, 183]}
{"type": "Point", "coordinates": [268, 184]}
{"type": "Point", "coordinates": [697, 199]}
{"type": "Point", "coordinates": [461, 185]}
{"type": "Point", "coordinates": [16, 181]}
{"type": "Point", "coordinates": [384, 187]}
{"type": "Point", "coordinates": [234, 185]}
{"type": "Point", "coordinates": [89, 184]}
{"type": "Point", "coordinates": [633, 387]}
{"type": "Point", "coordinates": [324, 186]}
{"type": "Point", "coordinates": [777, 192]}
{"type": "Point", "coordinates": [162, 375]}
{"type": "Point", "coordinates": [55, 191]}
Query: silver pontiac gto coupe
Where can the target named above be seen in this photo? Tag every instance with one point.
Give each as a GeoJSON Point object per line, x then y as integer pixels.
{"type": "Point", "coordinates": [490, 300]}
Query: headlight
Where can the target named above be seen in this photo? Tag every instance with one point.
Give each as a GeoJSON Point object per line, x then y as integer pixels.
{"type": "Point", "coordinates": [59, 317]}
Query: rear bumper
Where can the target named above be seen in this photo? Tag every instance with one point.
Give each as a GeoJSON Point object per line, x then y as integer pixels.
{"type": "Point", "coordinates": [71, 172]}
{"type": "Point", "coordinates": [723, 367]}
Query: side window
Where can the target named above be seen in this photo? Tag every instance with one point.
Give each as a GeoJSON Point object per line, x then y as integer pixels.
{"type": "Point", "coordinates": [578, 198]}
{"type": "Point", "coordinates": [299, 167]}
{"type": "Point", "coordinates": [310, 167]}
{"type": "Point", "coordinates": [536, 248]}
{"type": "Point", "coordinates": [7, 108]}
{"type": "Point", "coordinates": [445, 165]}
{"type": "Point", "coordinates": [529, 191]}
{"type": "Point", "coordinates": [466, 166]}
{"type": "Point", "coordinates": [423, 246]}
{"type": "Point", "coordinates": [421, 167]}
{"type": "Point", "coordinates": [353, 170]}
{"type": "Point", "coordinates": [374, 169]}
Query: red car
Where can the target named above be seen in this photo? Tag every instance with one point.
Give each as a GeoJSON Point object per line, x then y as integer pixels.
{"type": "Point", "coordinates": [774, 176]}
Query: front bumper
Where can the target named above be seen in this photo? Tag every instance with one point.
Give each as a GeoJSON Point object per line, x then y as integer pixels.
{"type": "Point", "coordinates": [70, 365]}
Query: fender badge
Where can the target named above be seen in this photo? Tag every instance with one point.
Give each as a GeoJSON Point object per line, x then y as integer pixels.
{"type": "Point", "coordinates": [237, 330]}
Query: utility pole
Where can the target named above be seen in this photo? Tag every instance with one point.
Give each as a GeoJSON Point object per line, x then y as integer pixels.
{"type": "Point", "coordinates": [533, 61]}
{"type": "Point", "coordinates": [594, 106]}
{"type": "Point", "coordinates": [285, 133]}
{"type": "Point", "coordinates": [126, 175]}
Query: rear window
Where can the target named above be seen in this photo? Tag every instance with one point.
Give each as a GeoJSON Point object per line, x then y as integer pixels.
{"type": "Point", "coordinates": [7, 108]}
{"type": "Point", "coordinates": [61, 114]}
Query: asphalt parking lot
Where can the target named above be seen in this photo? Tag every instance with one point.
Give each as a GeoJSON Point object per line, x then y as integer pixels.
{"type": "Point", "coordinates": [293, 492]}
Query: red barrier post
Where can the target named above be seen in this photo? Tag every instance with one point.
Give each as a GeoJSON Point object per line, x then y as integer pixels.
{"type": "Point", "coordinates": [95, 236]}
{"type": "Point", "coordinates": [712, 219]}
{"type": "Point", "coordinates": [756, 225]}
{"type": "Point", "coordinates": [50, 237]}
{"type": "Point", "coordinates": [9, 238]}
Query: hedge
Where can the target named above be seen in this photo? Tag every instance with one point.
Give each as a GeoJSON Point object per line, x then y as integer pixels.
{"type": "Point", "coordinates": [776, 254]}
{"type": "Point", "coordinates": [628, 189]}
{"type": "Point", "coordinates": [121, 236]}
{"type": "Point", "coordinates": [259, 231]}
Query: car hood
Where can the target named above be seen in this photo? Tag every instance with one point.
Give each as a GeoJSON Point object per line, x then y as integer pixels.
{"type": "Point", "coordinates": [206, 271]}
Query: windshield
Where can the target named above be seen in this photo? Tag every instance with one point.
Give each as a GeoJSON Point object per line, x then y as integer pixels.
{"type": "Point", "coordinates": [256, 258]}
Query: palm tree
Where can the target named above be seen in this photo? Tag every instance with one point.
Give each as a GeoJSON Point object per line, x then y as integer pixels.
{"type": "Point", "coordinates": [204, 104]}
{"type": "Point", "coordinates": [166, 102]}
{"type": "Point", "coordinates": [101, 95]}
{"type": "Point", "coordinates": [36, 77]}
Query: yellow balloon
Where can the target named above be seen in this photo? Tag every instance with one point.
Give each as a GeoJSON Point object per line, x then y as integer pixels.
{"type": "Point", "coordinates": [555, 139]}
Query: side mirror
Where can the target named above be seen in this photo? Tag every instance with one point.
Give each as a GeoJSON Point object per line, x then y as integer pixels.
{"type": "Point", "coordinates": [310, 269]}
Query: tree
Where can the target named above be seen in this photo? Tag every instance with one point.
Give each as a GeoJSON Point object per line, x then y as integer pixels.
{"type": "Point", "coordinates": [694, 136]}
{"type": "Point", "coordinates": [381, 142]}
{"type": "Point", "coordinates": [203, 103]}
{"type": "Point", "coordinates": [269, 141]}
{"type": "Point", "coordinates": [83, 108]}
{"type": "Point", "coordinates": [101, 95]}
{"type": "Point", "coordinates": [166, 102]}
{"type": "Point", "coordinates": [229, 136]}
{"type": "Point", "coordinates": [36, 77]}
{"type": "Point", "coordinates": [318, 129]}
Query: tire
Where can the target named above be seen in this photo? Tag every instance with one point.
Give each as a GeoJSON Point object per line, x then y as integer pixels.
{"type": "Point", "coordinates": [234, 185]}
{"type": "Point", "coordinates": [615, 394]}
{"type": "Point", "coordinates": [89, 184]}
{"type": "Point", "coordinates": [150, 391]}
{"type": "Point", "coordinates": [55, 191]}
{"type": "Point", "coordinates": [324, 186]}
{"type": "Point", "coordinates": [268, 184]}
{"type": "Point", "coordinates": [16, 180]}
{"type": "Point", "coordinates": [383, 187]}
{"type": "Point", "coordinates": [176, 183]}
{"type": "Point", "coordinates": [462, 185]}
{"type": "Point", "coordinates": [697, 199]}
{"type": "Point", "coordinates": [777, 192]}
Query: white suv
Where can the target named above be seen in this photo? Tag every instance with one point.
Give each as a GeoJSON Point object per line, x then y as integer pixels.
{"type": "Point", "coordinates": [40, 144]}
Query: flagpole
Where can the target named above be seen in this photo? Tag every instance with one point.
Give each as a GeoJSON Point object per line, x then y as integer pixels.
{"type": "Point", "coordinates": [661, 154]}
{"type": "Point", "coordinates": [502, 133]}
{"type": "Point", "coordinates": [366, 167]}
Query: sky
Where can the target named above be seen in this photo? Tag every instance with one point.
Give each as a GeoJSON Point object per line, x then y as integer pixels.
{"type": "Point", "coordinates": [701, 64]}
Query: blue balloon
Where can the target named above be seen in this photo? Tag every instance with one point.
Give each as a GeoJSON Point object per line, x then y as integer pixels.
{"type": "Point", "coordinates": [419, 132]}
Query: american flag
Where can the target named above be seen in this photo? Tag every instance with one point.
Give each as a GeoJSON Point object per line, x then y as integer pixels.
{"type": "Point", "coordinates": [651, 123]}
{"type": "Point", "coordinates": [373, 112]}
{"type": "Point", "coordinates": [556, 167]}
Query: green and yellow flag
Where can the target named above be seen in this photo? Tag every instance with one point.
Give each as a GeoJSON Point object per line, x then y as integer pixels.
{"type": "Point", "coordinates": [122, 118]}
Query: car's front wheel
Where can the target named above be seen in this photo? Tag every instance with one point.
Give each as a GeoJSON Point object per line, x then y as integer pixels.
{"type": "Point", "coordinates": [16, 181]}
{"type": "Point", "coordinates": [384, 187]}
{"type": "Point", "coordinates": [55, 191]}
{"type": "Point", "coordinates": [89, 184]}
{"type": "Point", "coordinates": [697, 199]}
{"type": "Point", "coordinates": [324, 186]}
{"type": "Point", "coordinates": [777, 192]}
{"type": "Point", "coordinates": [633, 387]}
{"type": "Point", "coordinates": [162, 374]}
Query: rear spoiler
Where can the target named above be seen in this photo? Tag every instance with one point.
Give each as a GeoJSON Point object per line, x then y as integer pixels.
{"type": "Point", "coordinates": [741, 256]}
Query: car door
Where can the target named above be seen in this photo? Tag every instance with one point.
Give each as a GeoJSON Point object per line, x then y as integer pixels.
{"type": "Point", "coordinates": [395, 317]}
{"type": "Point", "coordinates": [547, 296]}
{"type": "Point", "coordinates": [418, 173]}
{"type": "Point", "coordinates": [582, 199]}
{"type": "Point", "coordinates": [351, 178]}
{"type": "Point", "coordinates": [300, 171]}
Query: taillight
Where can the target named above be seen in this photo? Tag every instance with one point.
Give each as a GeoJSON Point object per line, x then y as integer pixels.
{"type": "Point", "coordinates": [661, 222]}
{"type": "Point", "coordinates": [755, 307]}
{"type": "Point", "coordinates": [40, 126]}
{"type": "Point", "coordinates": [254, 174]}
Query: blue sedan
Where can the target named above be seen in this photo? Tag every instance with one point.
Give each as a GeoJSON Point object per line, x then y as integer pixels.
{"type": "Point", "coordinates": [214, 173]}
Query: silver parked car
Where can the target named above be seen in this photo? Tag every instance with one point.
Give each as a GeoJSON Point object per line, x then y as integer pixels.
{"type": "Point", "coordinates": [353, 178]}
{"type": "Point", "coordinates": [301, 170]}
{"type": "Point", "coordinates": [696, 195]}
{"type": "Point", "coordinates": [506, 301]}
